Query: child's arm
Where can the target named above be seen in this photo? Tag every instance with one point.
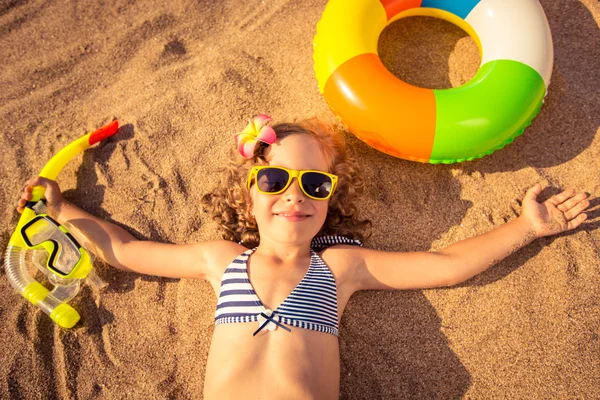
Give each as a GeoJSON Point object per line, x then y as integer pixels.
{"type": "Point", "coordinates": [122, 250]}
{"type": "Point", "coordinates": [467, 258]}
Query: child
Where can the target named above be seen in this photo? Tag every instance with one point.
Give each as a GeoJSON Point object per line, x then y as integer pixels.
{"type": "Point", "coordinates": [293, 258]}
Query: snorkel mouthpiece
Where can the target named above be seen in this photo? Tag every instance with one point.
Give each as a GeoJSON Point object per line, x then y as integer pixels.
{"type": "Point", "coordinates": [43, 242]}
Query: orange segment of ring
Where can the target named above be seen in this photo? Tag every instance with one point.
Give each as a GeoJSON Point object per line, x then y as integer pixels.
{"type": "Point", "coordinates": [381, 110]}
{"type": "Point", "coordinates": [393, 7]}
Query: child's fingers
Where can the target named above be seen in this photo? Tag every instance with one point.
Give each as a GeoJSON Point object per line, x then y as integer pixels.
{"type": "Point", "coordinates": [49, 185]}
{"type": "Point", "coordinates": [572, 202]}
{"type": "Point", "coordinates": [30, 184]}
{"type": "Point", "coordinates": [561, 197]}
{"type": "Point", "coordinates": [576, 209]}
{"type": "Point", "coordinates": [574, 223]}
{"type": "Point", "coordinates": [26, 196]}
{"type": "Point", "coordinates": [46, 183]}
{"type": "Point", "coordinates": [533, 192]}
{"type": "Point", "coordinates": [36, 181]}
{"type": "Point", "coordinates": [20, 205]}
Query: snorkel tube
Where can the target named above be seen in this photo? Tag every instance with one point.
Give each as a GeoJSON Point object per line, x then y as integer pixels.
{"type": "Point", "coordinates": [40, 240]}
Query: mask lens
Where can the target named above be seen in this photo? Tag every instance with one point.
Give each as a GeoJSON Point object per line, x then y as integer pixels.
{"type": "Point", "coordinates": [272, 180]}
{"type": "Point", "coordinates": [62, 251]}
{"type": "Point", "coordinates": [316, 184]}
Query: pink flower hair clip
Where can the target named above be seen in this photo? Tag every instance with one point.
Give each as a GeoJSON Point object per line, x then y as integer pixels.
{"type": "Point", "coordinates": [255, 131]}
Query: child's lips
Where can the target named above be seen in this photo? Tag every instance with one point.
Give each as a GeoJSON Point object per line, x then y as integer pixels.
{"type": "Point", "coordinates": [293, 216]}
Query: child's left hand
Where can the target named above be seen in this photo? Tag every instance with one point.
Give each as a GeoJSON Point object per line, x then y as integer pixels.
{"type": "Point", "coordinates": [561, 212]}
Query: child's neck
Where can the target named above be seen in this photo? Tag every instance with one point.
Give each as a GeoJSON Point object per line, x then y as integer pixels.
{"type": "Point", "coordinates": [282, 251]}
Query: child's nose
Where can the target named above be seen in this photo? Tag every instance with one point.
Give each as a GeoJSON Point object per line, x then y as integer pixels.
{"type": "Point", "coordinates": [293, 193]}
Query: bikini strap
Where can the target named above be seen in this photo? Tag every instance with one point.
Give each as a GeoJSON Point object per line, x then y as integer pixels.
{"type": "Point", "coordinates": [322, 242]}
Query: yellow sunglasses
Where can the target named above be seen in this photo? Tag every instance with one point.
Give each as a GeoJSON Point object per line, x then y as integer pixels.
{"type": "Point", "coordinates": [317, 185]}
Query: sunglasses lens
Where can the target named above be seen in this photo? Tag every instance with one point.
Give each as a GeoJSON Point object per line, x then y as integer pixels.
{"type": "Point", "coordinates": [272, 180]}
{"type": "Point", "coordinates": [317, 185]}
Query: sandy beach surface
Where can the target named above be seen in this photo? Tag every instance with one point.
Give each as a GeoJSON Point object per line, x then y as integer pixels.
{"type": "Point", "coordinates": [182, 77]}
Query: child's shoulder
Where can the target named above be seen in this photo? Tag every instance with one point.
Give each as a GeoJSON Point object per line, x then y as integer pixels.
{"type": "Point", "coordinates": [225, 251]}
{"type": "Point", "coordinates": [342, 259]}
{"type": "Point", "coordinates": [220, 254]}
{"type": "Point", "coordinates": [337, 251]}
{"type": "Point", "coordinates": [341, 254]}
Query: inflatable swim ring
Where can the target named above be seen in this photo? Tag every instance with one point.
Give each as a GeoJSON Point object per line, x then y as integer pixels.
{"type": "Point", "coordinates": [426, 125]}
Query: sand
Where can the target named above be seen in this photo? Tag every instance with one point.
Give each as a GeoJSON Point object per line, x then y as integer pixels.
{"type": "Point", "coordinates": [182, 77]}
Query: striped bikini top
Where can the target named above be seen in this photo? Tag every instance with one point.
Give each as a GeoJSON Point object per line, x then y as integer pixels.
{"type": "Point", "coordinates": [311, 305]}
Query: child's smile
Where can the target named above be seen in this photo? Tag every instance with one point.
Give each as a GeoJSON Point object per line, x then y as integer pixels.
{"type": "Point", "coordinates": [293, 216]}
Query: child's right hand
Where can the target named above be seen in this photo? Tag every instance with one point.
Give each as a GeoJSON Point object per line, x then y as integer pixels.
{"type": "Point", "coordinates": [53, 195]}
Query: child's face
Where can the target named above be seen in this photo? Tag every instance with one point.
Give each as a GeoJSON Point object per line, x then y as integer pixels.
{"type": "Point", "coordinates": [291, 217]}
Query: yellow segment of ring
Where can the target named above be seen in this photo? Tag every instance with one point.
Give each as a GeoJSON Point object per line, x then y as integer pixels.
{"type": "Point", "coordinates": [355, 30]}
{"type": "Point", "coordinates": [441, 14]}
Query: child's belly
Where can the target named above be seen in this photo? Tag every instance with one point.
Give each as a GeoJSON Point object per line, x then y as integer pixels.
{"type": "Point", "coordinates": [301, 364]}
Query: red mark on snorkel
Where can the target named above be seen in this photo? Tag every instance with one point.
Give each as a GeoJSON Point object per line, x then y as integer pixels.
{"type": "Point", "coordinates": [104, 132]}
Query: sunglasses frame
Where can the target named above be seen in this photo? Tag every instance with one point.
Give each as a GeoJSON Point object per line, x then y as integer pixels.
{"type": "Point", "coordinates": [293, 173]}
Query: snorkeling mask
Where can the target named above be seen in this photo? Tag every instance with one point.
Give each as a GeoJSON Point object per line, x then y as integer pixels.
{"type": "Point", "coordinates": [43, 242]}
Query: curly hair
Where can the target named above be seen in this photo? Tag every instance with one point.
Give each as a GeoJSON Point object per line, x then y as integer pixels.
{"type": "Point", "coordinates": [230, 203]}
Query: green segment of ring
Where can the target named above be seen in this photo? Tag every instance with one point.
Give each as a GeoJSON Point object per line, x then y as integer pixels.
{"type": "Point", "coordinates": [486, 113]}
